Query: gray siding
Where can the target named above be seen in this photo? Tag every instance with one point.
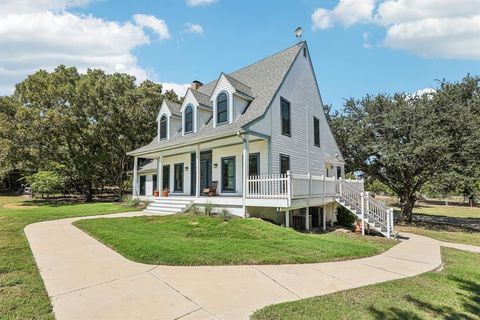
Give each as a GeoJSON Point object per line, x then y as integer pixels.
{"type": "Point", "coordinates": [175, 125]}
{"type": "Point", "coordinates": [300, 89]}
{"type": "Point", "coordinates": [239, 105]}
{"type": "Point", "coordinates": [203, 117]}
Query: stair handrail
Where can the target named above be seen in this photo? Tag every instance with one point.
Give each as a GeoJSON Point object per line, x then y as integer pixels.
{"type": "Point", "coordinates": [375, 212]}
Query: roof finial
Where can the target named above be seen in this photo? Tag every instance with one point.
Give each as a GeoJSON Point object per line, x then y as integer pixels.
{"type": "Point", "coordinates": [298, 33]}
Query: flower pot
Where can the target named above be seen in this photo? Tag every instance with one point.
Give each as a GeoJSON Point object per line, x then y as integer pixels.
{"type": "Point", "coordinates": [165, 193]}
{"type": "Point", "coordinates": [156, 193]}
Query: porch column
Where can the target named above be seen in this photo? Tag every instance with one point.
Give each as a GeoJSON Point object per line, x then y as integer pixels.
{"type": "Point", "coordinates": [287, 218]}
{"type": "Point", "coordinates": [245, 170]}
{"type": "Point", "coordinates": [160, 174]}
{"type": "Point", "coordinates": [197, 170]}
{"type": "Point", "coordinates": [135, 174]}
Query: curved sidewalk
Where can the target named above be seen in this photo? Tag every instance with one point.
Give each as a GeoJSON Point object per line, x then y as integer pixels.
{"type": "Point", "coordinates": [87, 280]}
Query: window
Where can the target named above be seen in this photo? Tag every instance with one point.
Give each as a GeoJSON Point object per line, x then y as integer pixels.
{"type": "Point", "coordinates": [284, 163]}
{"type": "Point", "coordinates": [285, 110]}
{"type": "Point", "coordinates": [228, 174]}
{"type": "Point", "coordinates": [316, 132]}
{"type": "Point", "coordinates": [254, 164]}
{"type": "Point", "coordinates": [163, 127]}
{"type": "Point", "coordinates": [304, 52]}
{"type": "Point", "coordinates": [189, 119]}
{"type": "Point", "coordinates": [155, 182]}
{"type": "Point", "coordinates": [178, 182]}
{"type": "Point", "coordinates": [143, 182]}
{"type": "Point", "coordinates": [222, 108]}
{"type": "Point", "coordinates": [166, 177]}
{"type": "Point", "coordinates": [339, 172]}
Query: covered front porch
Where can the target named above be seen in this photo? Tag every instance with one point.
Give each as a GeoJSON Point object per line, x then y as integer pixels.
{"type": "Point", "coordinates": [218, 167]}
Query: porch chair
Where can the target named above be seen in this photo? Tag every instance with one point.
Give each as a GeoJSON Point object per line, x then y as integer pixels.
{"type": "Point", "coordinates": [212, 190]}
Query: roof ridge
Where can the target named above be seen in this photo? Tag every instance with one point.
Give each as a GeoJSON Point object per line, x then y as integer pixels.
{"type": "Point", "coordinates": [253, 63]}
{"type": "Point", "coordinates": [268, 57]}
{"type": "Point", "coordinates": [193, 90]}
{"type": "Point", "coordinates": [229, 76]}
{"type": "Point", "coordinates": [170, 101]}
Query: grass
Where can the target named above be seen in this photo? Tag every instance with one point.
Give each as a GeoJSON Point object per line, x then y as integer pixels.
{"type": "Point", "coordinates": [453, 293]}
{"type": "Point", "coordinates": [443, 233]}
{"type": "Point", "coordinates": [447, 211]}
{"type": "Point", "coordinates": [22, 294]}
{"type": "Point", "coordinates": [203, 240]}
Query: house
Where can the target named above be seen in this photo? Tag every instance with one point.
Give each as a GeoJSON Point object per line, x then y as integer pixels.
{"type": "Point", "coordinates": [254, 142]}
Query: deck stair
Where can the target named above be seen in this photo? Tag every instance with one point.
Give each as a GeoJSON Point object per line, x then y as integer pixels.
{"type": "Point", "coordinates": [369, 210]}
{"type": "Point", "coordinates": [168, 205]}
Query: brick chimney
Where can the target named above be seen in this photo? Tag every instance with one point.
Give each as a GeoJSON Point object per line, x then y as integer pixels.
{"type": "Point", "coordinates": [196, 85]}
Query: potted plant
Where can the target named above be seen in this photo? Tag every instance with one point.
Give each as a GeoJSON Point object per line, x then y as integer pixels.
{"type": "Point", "coordinates": [156, 193]}
{"type": "Point", "coordinates": [165, 192]}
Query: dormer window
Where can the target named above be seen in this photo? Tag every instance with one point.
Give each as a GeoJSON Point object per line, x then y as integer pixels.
{"type": "Point", "coordinates": [163, 127]}
{"type": "Point", "coordinates": [189, 119]}
{"type": "Point", "coordinates": [222, 108]}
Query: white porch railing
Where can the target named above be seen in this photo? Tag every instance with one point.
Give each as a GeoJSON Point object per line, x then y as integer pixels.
{"type": "Point", "coordinates": [292, 186]}
{"type": "Point", "coordinates": [273, 186]}
{"type": "Point", "coordinates": [349, 193]}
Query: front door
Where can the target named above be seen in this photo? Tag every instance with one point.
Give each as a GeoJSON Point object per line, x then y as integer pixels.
{"type": "Point", "coordinates": [205, 174]}
{"type": "Point", "coordinates": [205, 171]}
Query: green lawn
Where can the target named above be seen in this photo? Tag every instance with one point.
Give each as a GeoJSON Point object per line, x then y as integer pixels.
{"type": "Point", "coordinates": [22, 294]}
{"type": "Point", "coordinates": [453, 293]}
{"type": "Point", "coordinates": [443, 233]}
{"type": "Point", "coordinates": [448, 211]}
{"type": "Point", "coordinates": [203, 240]}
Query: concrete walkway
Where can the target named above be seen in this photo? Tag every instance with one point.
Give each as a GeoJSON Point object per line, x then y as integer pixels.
{"type": "Point", "coordinates": [87, 280]}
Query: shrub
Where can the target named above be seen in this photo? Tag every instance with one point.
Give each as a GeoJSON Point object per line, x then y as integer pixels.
{"type": "Point", "coordinates": [209, 209]}
{"type": "Point", "coordinates": [194, 210]}
{"type": "Point", "coordinates": [345, 218]}
{"type": "Point", "coordinates": [226, 215]}
{"type": "Point", "coordinates": [131, 202]}
{"type": "Point", "coordinates": [46, 183]}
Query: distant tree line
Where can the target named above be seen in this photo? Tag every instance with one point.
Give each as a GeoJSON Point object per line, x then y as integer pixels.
{"type": "Point", "coordinates": [75, 129]}
{"type": "Point", "coordinates": [409, 143]}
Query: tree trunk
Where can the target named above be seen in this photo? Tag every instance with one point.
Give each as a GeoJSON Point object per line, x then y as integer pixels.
{"type": "Point", "coordinates": [88, 191]}
{"type": "Point", "coordinates": [407, 203]}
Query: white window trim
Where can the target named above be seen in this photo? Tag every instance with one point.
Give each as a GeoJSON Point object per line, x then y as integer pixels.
{"type": "Point", "coordinates": [194, 119]}
{"type": "Point", "coordinates": [168, 126]}
{"type": "Point", "coordinates": [229, 109]}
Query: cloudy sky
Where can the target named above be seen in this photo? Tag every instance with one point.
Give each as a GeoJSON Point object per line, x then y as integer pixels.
{"type": "Point", "coordinates": [357, 46]}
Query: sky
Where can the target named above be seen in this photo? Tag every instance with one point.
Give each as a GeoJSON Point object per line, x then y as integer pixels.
{"type": "Point", "coordinates": [357, 47]}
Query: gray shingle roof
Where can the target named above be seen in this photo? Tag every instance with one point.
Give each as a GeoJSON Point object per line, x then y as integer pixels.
{"type": "Point", "coordinates": [238, 85]}
{"type": "Point", "coordinates": [149, 166]}
{"type": "Point", "coordinates": [263, 77]}
{"type": "Point", "coordinates": [202, 98]}
{"type": "Point", "coordinates": [173, 107]}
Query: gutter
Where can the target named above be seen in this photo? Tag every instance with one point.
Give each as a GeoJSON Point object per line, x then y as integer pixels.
{"type": "Point", "coordinates": [189, 143]}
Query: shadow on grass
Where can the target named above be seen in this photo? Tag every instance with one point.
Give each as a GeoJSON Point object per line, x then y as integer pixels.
{"type": "Point", "coordinates": [470, 293]}
{"type": "Point", "coordinates": [58, 201]}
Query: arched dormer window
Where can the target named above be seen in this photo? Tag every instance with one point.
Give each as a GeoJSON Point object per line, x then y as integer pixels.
{"type": "Point", "coordinates": [188, 119]}
{"type": "Point", "coordinates": [163, 127]}
{"type": "Point", "coordinates": [222, 108]}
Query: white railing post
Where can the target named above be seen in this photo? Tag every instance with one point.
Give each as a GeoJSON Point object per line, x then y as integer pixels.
{"type": "Point", "coordinates": [289, 188]}
{"type": "Point", "coordinates": [388, 224]}
{"type": "Point", "coordinates": [367, 203]}
{"type": "Point", "coordinates": [340, 187]}
{"type": "Point", "coordinates": [391, 220]}
{"type": "Point", "coordinates": [362, 206]}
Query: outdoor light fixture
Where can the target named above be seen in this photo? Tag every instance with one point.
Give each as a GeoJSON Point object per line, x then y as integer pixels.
{"type": "Point", "coordinates": [215, 165]}
{"type": "Point", "coordinates": [186, 168]}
